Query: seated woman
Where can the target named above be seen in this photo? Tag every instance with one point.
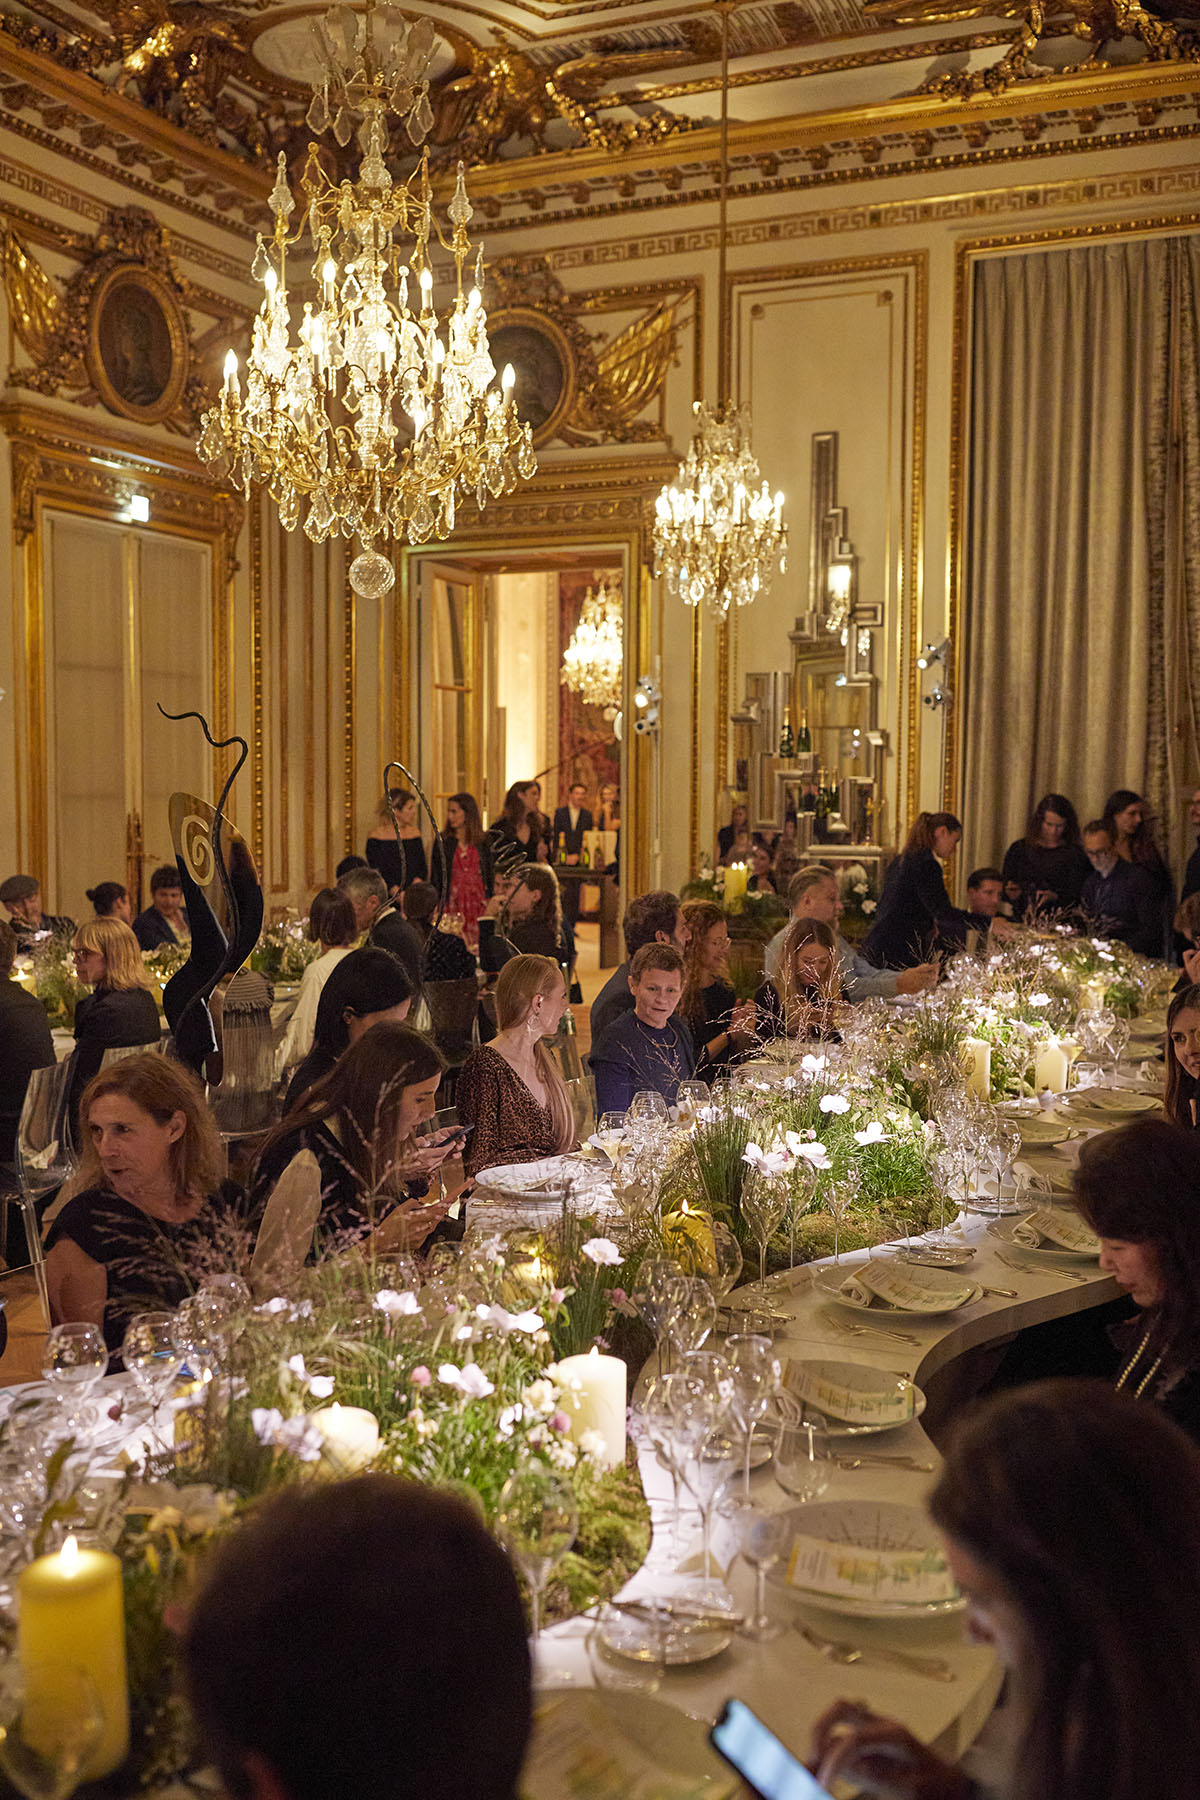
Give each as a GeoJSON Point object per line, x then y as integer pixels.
{"type": "Point", "coordinates": [359, 1124]}
{"type": "Point", "coordinates": [120, 1011]}
{"type": "Point", "coordinates": [798, 1003]}
{"type": "Point", "coordinates": [155, 1216]}
{"type": "Point", "coordinates": [761, 880]}
{"type": "Point", "coordinates": [399, 859]}
{"type": "Point", "coordinates": [647, 1048]}
{"type": "Point", "coordinates": [1183, 1059]}
{"type": "Point", "coordinates": [722, 1028]}
{"type": "Point", "coordinates": [330, 924]}
{"type": "Point", "coordinates": [1139, 1190]}
{"type": "Point", "coordinates": [111, 901]}
{"type": "Point", "coordinates": [445, 956]}
{"type": "Point", "coordinates": [1071, 1519]}
{"type": "Point", "coordinates": [729, 835]}
{"type": "Point", "coordinates": [368, 987]}
{"type": "Point", "coordinates": [510, 1091]}
{"type": "Point", "coordinates": [1045, 870]}
{"type": "Point", "coordinates": [524, 915]}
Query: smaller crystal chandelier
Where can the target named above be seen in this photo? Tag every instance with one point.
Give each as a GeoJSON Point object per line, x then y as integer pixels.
{"type": "Point", "coordinates": [718, 533]}
{"type": "Point", "coordinates": [363, 411]}
{"type": "Point", "coordinates": [593, 660]}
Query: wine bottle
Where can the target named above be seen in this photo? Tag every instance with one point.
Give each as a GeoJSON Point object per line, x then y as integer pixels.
{"type": "Point", "coordinates": [804, 740]}
{"type": "Point", "coordinates": [584, 860]}
{"type": "Point", "coordinates": [787, 743]}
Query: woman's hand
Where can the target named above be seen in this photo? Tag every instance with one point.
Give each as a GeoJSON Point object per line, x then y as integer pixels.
{"type": "Point", "coordinates": [1191, 964]}
{"type": "Point", "coordinates": [409, 1224]}
{"type": "Point", "coordinates": [853, 1744]}
{"type": "Point", "coordinates": [743, 1023]}
{"type": "Point", "coordinates": [428, 1155]}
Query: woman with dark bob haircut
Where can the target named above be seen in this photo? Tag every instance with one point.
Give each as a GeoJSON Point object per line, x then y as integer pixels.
{"type": "Point", "coordinates": [1139, 1190]}
{"type": "Point", "coordinates": [1072, 1524]}
{"type": "Point", "coordinates": [1044, 871]}
{"type": "Point", "coordinates": [1183, 1058]}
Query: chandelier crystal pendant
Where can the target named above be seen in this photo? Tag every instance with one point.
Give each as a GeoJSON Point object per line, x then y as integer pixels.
{"type": "Point", "coordinates": [363, 413]}
{"type": "Point", "coordinates": [718, 532]}
{"type": "Point", "coordinates": [594, 658]}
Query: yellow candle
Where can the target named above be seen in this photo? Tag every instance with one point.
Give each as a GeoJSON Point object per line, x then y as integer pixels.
{"type": "Point", "coordinates": [737, 878]}
{"type": "Point", "coordinates": [351, 1435]}
{"type": "Point", "coordinates": [1093, 993]}
{"type": "Point", "coordinates": [594, 1400]}
{"type": "Point", "coordinates": [977, 1066]}
{"type": "Point", "coordinates": [71, 1613]}
{"type": "Point", "coordinates": [1050, 1066]}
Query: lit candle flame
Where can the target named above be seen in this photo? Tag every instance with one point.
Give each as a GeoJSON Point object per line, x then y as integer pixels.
{"type": "Point", "coordinates": [68, 1556]}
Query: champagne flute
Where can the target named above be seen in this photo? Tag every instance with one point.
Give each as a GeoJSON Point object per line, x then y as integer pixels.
{"type": "Point", "coordinates": [536, 1520]}
{"type": "Point", "coordinates": [650, 1297]}
{"type": "Point", "coordinates": [74, 1362]}
{"type": "Point", "coordinates": [691, 1313]}
{"type": "Point", "coordinates": [51, 1722]}
{"type": "Point", "coordinates": [764, 1203]}
{"type": "Point", "coordinates": [762, 1537]}
{"type": "Point", "coordinates": [755, 1374]}
{"type": "Point", "coordinates": [802, 1457]}
{"type": "Point", "coordinates": [729, 1260]}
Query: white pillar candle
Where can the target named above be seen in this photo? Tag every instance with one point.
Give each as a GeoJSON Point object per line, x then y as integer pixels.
{"type": "Point", "coordinates": [1050, 1066]}
{"type": "Point", "coordinates": [593, 1397]}
{"type": "Point", "coordinates": [351, 1435]}
{"type": "Point", "coordinates": [977, 1066]}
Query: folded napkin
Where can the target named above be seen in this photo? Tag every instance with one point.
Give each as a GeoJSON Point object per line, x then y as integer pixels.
{"type": "Point", "coordinates": [856, 1292]}
{"type": "Point", "coordinates": [1060, 1228]}
{"type": "Point", "coordinates": [1027, 1233]}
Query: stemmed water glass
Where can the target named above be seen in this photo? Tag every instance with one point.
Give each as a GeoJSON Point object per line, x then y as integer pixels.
{"type": "Point", "coordinates": [610, 1134]}
{"type": "Point", "coordinates": [762, 1539]}
{"type": "Point", "coordinates": [728, 1255]}
{"type": "Point", "coordinates": [537, 1519]}
{"type": "Point", "coordinates": [764, 1203]}
{"type": "Point", "coordinates": [653, 1419]}
{"type": "Point", "coordinates": [754, 1376]}
{"type": "Point", "coordinates": [74, 1362]}
{"type": "Point", "coordinates": [648, 1106]}
{"type": "Point", "coordinates": [802, 1457]}
{"type": "Point", "coordinates": [691, 1314]}
{"type": "Point", "coordinates": [149, 1353]}
{"type": "Point", "coordinates": [1118, 1038]}
{"type": "Point", "coordinates": [51, 1722]}
{"type": "Point", "coordinates": [649, 1297]}
{"type": "Point", "coordinates": [702, 1448]}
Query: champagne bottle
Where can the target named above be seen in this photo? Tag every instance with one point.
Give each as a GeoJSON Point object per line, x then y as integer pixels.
{"type": "Point", "coordinates": [787, 743]}
{"type": "Point", "coordinates": [804, 740]}
{"type": "Point", "coordinates": [584, 862]}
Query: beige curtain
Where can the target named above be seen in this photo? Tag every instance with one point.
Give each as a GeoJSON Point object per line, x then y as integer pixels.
{"type": "Point", "coordinates": [1067, 533]}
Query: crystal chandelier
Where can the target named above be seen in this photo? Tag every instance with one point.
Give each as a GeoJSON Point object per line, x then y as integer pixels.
{"type": "Point", "coordinates": [594, 657]}
{"type": "Point", "coordinates": [718, 533]}
{"type": "Point", "coordinates": [361, 416]}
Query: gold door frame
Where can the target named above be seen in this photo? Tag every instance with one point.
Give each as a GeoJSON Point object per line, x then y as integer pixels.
{"type": "Point", "coordinates": [57, 468]}
{"type": "Point", "coordinates": [609, 503]}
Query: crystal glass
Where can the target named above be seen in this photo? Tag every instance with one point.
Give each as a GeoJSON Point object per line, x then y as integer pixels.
{"type": "Point", "coordinates": [232, 1296]}
{"type": "Point", "coordinates": [729, 1260]}
{"type": "Point", "coordinates": [802, 1457]}
{"type": "Point", "coordinates": [536, 1521]}
{"type": "Point", "coordinates": [74, 1362]}
{"type": "Point", "coordinates": [755, 1375]}
{"type": "Point", "coordinates": [764, 1203]}
{"type": "Point", "coordinates": [626, 1652]}
{"type": "Point", "coordinates": [692, 1095]}
{"type": "Point", "coordinates": [650, 1296]}
{"type": "Point", "coordinates": [653, 1420]}
{"type": "Point", "coordinates": [50, 1723]}
{"type": "Point", "coordinates": [1088, 1074]}
{"type": "Point", "coordinates": [648, 1104]}
{"type": "Point", "coordinates": [706, 1456]}
{"type": "Point", "coordinates": [762, 1539]}
{"type": "Point", "coordinates": [691, 1313]}
{"type": "Point", "coordinates": [610, 1132]}
{"type": "Point", "coordinates": [151, 1357]}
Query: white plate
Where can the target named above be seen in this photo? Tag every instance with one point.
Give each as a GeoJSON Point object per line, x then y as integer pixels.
{"type": "Point", "coordinates": [866, 1525]}
{"type": "Point", "coordinates": [607, 1744]}
{"type": "Point", "coordinates": [541, 1180]}
{"type": "Point", "coordinates": [627, 1635]}
{"type": "Point", "coordinates": [1116, 1103]}
{"type": "Point", "coordinates": [937, 1283]}
{"type": "Point", "coordinates": [860, 1376]}
{"type": "Point", "coordinates": [1043, 1131]}
{"type": "Point", "coordinates": [1003, 1229]}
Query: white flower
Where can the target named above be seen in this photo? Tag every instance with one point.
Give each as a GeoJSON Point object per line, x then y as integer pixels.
{"type": "Point", "coordinates": [319, 1386]}
{"type": "Point", "coordinates": [771, 1163]}
{"type": "Point", "coordinates": [470, 1381]}
{"type": "Point", "coordinates": [541, 1397]}
{"type": "Point", "coordinates": [870, 1134]}
{"type": "Point", "coordinates": [592, 1445]}
{"type": "Point", "coordinates": [396, 1305]}
{"type": "Point", "coordinates": [834, 1103]}
{"type": "Point", "coordinates": [510, 1417]}
{"type": "Point", "coordinates": [868, 907]}
{"type": "Point", "coordinates": [527, 1322]}
{"type": "Point", "coordinates": [812, 1065]}
{"type": "Point", "coordinates": [603, 1251]}
{"type": "Point", "coordinates": [1039, 999]}
{"type": "Point", "coordinates": [815, 1154]}
{"type": "Point", "coordinates": [297, 1435]}
{"type": "Point", "coordinates": [193, 1509]}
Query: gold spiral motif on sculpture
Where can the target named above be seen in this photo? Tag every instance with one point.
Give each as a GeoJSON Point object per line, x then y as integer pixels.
{"type": "Point", "coordinates": [195, 847]}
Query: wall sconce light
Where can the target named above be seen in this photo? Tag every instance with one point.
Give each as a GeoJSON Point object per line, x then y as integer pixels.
{"type": "Point", "coordinates": [937, 696]}
{"type": "Point", "coordinates": [647, 696]}
{"type": "Point", "coordinates": [934, 653]}
{"type": "Point", "coordinates": [840, 583]}
{"type": "Point", "coordinates": [139, 509]}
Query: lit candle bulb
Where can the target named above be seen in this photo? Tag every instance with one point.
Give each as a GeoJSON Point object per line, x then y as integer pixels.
{"type": "Point", "coordinates": [231, 373]}
{"type": "Point", "coordinates": [508, 380]}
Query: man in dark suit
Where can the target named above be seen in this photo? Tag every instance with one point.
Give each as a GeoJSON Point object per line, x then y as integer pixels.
{"type": "Point", "coordinates": [570, 823]}
{"type": "Point", "coordinates": [1119, 897]}
{"type": "Point", "coordinates": [25, 1043]}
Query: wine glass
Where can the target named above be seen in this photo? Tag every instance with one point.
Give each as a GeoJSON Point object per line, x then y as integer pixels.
{"type": "Point", "coordinates": [802, 1457]}
{"type": "Point", "coordinates": [74, 1362]}
{"type": "Point", "coordinates": [701, 1445]}
{"type": "Point", "coordinates": [610, 1134]}
{"type": "Point", "coordinates": [652, 1419]}
{"type": "Point", "coordinates": [764, 1203]}
{"type": "Point", "coordinates": [51, 1722]}
{"type": "Point", "coordinates": [1118, 1039]}
{"type": "Point", "coordinates": [762, 1538]}
{"type": "Point", "coordinates": [650, 1296]}
{"type": "Point", "coordinates": [649, 1105]}
{"type": "Point", "coordinates": [691, 1096]}
{"type": "Point", "coordinates": [536, 1520]}
{"type": "Point", "coordinates": [755, 1375]}
{"type": "Point", "coordinates": [691, 1313]}
{"type": "Point", "coordinates": [149, 1353]}
{"type": "Point", "coordinates": [728, 1255]}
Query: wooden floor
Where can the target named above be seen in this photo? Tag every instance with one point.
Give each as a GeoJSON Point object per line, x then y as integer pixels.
{"type": "Point", "coordinates": [23, 1357]}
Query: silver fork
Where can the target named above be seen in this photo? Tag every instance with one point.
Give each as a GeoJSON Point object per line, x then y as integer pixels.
{"type": "Point", "coordinates": [839, 1651]}
{"type": "Point", "coordinates": [876, 1331]}
{"type": "Point", "coordinates": [883, 1462]}
{"type": "Point", "coordinates": [1034, 1269]}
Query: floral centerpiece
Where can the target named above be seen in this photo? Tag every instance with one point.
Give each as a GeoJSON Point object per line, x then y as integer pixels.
{"type": "Point", "coordinates": [284, 950]}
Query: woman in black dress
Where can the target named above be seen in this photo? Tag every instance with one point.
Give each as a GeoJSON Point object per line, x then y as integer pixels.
{"type": "Point", "coordinates": [1045, 870]}
{"type": "Point", "coordinates": [915, 916]}
{"type": "Point", "coordinates": [120, 1012]}
{"type": "Point", "coordinates": [1125, 814]}
{"type": "Point", "coordinates": [721, 1028]}
{"type": "Point", "coordinates": [399, 859]}
{"type": "Point", "coordinates": [798, 1002]}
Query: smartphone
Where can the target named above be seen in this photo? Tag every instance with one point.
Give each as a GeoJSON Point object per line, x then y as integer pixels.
{"type": "Point", "coordinates": [760, 1759]}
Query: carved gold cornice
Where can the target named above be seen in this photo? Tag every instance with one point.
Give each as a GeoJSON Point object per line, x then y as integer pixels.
{"type": "Point", "coordinates": [98, 469]}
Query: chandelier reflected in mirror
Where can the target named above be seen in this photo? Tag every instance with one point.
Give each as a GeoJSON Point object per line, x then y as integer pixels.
{"type": "Point", "coordinates": [593, 660]}
{"type": "Point", "coordinates": [718, 532]}
{"type": "Point", "coordinates": [363, 413]}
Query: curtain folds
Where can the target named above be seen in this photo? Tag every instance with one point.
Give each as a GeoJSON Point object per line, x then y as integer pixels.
{"type": "Point", "coordinates": [1070, 525]}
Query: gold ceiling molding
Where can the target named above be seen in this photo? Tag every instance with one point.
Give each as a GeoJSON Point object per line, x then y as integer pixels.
{"type": "Point", "coordinates": [878, 57]}
{"type": "Point", "coordinates": [586, 390]}
{"type": "Point", "coordinates": [118, 334]}
{"type": "Point", "coordinates": [98, 470]}
{"type": "Point", "coordinates": [966, 253]}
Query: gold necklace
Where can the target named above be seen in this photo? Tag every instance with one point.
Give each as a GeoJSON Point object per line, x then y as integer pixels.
{"type": "Point", "coordinates": [1132, 1364]}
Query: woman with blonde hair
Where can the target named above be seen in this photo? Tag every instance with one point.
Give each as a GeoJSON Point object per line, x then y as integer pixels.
{"type": "Point", "coordinates": [121, 1011]}
{"type": "Point", "coordinates": [510, 1091]}
{"type": "Point", "coordinates": [154, 1197]}
{"type": "Point", "coordinates": [798, 1001]}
